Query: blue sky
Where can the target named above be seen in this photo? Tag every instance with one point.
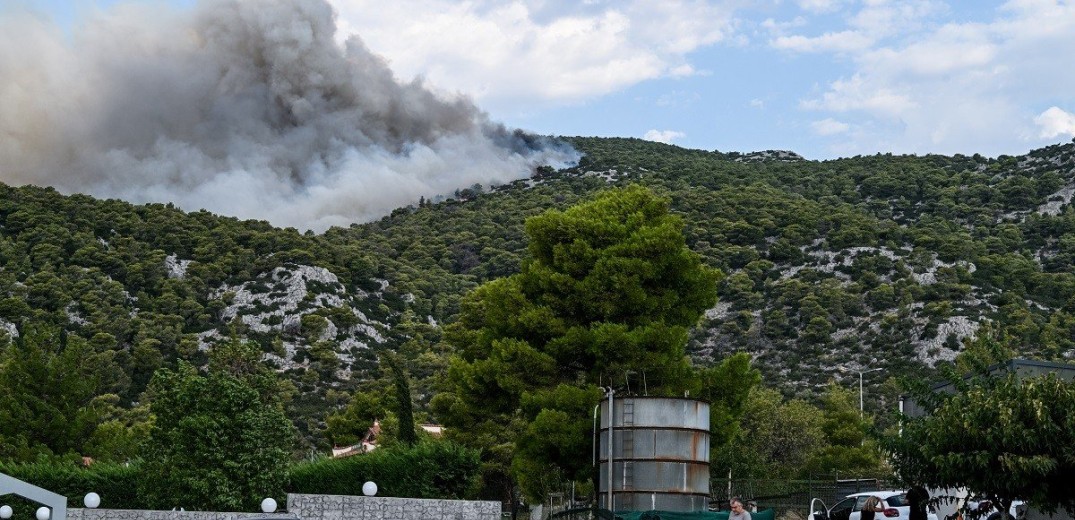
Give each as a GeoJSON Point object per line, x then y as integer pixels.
{"type": "Point", "coordinates": [825, 78]}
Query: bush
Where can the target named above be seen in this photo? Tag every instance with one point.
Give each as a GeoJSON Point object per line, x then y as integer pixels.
{"type": "Point", "coordinates": [437, 469]}
{"type": "Point", "coordinates": [117, 484]}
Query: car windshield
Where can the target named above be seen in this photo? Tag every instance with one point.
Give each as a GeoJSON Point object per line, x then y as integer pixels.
{"type": "Point", "coordinates": [897, 500]}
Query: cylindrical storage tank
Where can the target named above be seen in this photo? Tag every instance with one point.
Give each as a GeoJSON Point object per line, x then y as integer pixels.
{"type": "Point", "coordinates": [660, 454]}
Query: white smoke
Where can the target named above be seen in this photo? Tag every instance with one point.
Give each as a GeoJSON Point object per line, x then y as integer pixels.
{"type": "Point", "coordinates": [245, 108]}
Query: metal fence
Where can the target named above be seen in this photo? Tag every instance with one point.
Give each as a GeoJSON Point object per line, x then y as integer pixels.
{"type": "Point", "coordinates": [789, 496]}
{"type": "Point", "coordinates": [790, 499]}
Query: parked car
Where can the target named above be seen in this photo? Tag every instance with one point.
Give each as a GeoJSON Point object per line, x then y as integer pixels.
{"type": "Point", "coordinates": [982, 508]}
{"type": "Point", "coordinates": [894, 503]}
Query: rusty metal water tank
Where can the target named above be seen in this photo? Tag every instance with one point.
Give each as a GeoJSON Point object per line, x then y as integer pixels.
{"type": "Point", "coordinates": [660, 454]}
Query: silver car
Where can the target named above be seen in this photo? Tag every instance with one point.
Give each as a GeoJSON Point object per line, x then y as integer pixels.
{"type": "Point", "coordinates": [894, 504]}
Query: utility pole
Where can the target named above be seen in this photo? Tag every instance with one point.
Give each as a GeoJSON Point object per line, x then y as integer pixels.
{"type": "Point", "coordinates": [611, 416]}
{"type": "Point", "coordinates": [861, 409]}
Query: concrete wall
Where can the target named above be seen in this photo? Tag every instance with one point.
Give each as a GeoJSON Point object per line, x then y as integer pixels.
{"type": "Point", "coordinates": [321, 507]}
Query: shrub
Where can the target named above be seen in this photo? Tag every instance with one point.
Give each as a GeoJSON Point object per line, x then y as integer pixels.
{"type": "Point", "coordinates": [116, 483]}
{"type": "Point", "coordinates": [436, 469]}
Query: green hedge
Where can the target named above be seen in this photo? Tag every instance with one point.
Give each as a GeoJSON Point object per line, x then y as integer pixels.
{"type": "Point", "coordinates": [428, 470]}
{"type": "Point", "coordinates": [117, 484]}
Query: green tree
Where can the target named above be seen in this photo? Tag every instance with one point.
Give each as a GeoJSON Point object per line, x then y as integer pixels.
{"type": "Point", "coordinates": [989, 347]}
{"type": "Point", "coordinates": [774, 440]}
{"type": "Point", "coordinates": [404, 404]}
{"type": "Point", "coordinates": [848, 448]}
{"type": "Point", "coordinates": [610, 290]}
{"type": "Point", "coordinates": [348, 426]}
{"type": "Point", "coordinates": [121, 433]}
{"type": "Point", "coordinates": [219, 441]}
{"type": "Point", "coordinates": [726, 386]}
{"type": "Point", "coordinates": [48, 383]}
{"type": "Point", "coordinates": [1000, 435]}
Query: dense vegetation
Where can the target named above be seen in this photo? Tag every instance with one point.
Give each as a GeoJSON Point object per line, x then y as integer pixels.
{"type": "Point", "coordinates": [830, 268]}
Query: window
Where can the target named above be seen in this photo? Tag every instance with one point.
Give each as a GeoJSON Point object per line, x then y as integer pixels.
{"type": "Point", "coordinates": [842, 509]}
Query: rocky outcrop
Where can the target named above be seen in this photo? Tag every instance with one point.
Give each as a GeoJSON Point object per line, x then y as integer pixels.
{"type": "Point", "coordinates": [276, 302]}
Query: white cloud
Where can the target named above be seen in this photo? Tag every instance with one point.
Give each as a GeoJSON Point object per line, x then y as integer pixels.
{"type": "Point", "coordinates": [876, 21]}
{"type": "Point", "coordinates": [819, 6]}
{"type": "Point", "coordinates": [778, 28]}
{"type": "Point", "coordinates": [757, 103]}
{"type": "Point", "coordinates": [897, 17]}
{"type": "Point", "coordinates": [843, 41]}
{"type": "Point", "coordinates": [928, 83]}
{"type": "Point", "coordinates": [663, 136]}
{"type": "Point", "coordinates": [829, 126]}
{"type": "Point", "coordinates": [502, 52]}
{"type": "Point", "coordinates": [950, 49]}
{"type": "Point", "coordinates": [1055, 122]}
{"type": "Point", "coordinates": [682, 71]}
{"type": "Point", "coordinates": [860, 94]}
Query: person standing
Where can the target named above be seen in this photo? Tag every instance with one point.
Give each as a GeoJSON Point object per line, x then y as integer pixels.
{"type": "Point", "coordinates": [918, 499]}
{"type": "Point", "coordinates": [738, 512]}
{"type": "Point", "coordinates": [871, 508]}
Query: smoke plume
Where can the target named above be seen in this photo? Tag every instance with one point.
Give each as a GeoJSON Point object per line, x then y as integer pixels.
{"type": "Point", "coordinates": [245, 108]}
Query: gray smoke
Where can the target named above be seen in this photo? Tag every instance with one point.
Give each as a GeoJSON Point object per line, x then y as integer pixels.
{"type": "Point", "coordinates": [246, 108]}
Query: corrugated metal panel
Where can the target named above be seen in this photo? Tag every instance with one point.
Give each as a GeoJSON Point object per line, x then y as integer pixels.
{"type": "Point", "coordinates": [662, 477]}
{"type": "Point", "coordinates": [650, 443]}
{"type": "Point", "coordinates": [638, 501]}
{"type": "Point", "coordinates": [660, 454]}
{"type": "Point", "coordinates": [661, 412]}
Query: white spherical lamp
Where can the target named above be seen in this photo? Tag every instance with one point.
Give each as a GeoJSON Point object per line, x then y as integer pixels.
{"type": "Point", "coordinates": [92, 500]}
{"type": "Point", "coordinates": [43, 513]}
{"type": "Point", "coordinates": [268, 505]}
{"type": "Point", "coordinates": [369, 489]}
{"type": "Point", "coordinates": [5, 512]}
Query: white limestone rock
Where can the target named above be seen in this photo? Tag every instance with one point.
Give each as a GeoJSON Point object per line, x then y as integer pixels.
{"type": "Point", "coordinates": [277, 301]}
{"type": "Point", "coordinates": [7, 326]}
{"type": "Point", "coordinates": [176, 268]}
{"type": "Point", "coordinates": [932, 350]}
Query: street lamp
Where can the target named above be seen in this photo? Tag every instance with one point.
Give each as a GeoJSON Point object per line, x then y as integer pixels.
{"type": "Point", "coordinates": [861, 413]}
{"type": "Point", "coordinates": [369, 488]}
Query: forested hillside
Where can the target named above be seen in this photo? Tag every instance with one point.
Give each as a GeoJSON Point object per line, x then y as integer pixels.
{"type": "Point", "coordinates": [829, 268]}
